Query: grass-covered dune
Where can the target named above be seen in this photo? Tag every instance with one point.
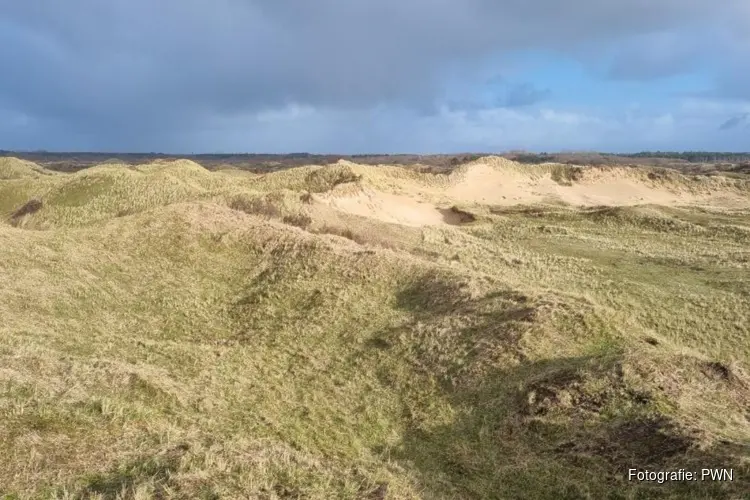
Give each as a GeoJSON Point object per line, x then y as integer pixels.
{"type": "Point", "coordinates": [349, 331]}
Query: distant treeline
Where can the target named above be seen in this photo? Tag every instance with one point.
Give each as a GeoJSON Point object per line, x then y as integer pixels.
{"type": "Point", "coordinates": [642, 157]}
{"type": "Point", "coordinates": [692, 156]}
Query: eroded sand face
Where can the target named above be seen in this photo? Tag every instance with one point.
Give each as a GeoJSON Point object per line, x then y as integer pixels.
{"type": "Point", "coordinates": [495, 181]}
{"type": "Point", "coordinates": [387, 207]}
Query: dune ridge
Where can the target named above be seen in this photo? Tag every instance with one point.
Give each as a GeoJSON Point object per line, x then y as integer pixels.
{"type": "Point", "coordinates": [351, 331]}
{"type": "Point", "coordinates": [420, 200]}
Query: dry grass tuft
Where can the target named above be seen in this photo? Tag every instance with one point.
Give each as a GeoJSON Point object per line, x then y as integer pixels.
{"type": "Point", "coordinates": [326, 178]}
{"type": "Point", "coordinates": [300, 220]}
{"type": "Point", "coordinates": [566, 175]}
{"type": "Point", "coordinates": [30, 207]}
{"type": "Point", "coordinates": [255, 206]}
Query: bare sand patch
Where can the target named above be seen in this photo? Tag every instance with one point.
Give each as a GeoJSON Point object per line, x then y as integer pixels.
{"type": "Point", "coordinates": [387, 207]}
{"type": "Point", "coordinates": [496, 181]}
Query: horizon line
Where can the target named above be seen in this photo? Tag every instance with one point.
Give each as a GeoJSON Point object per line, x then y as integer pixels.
{"type": "Point", "coordinates": [5, 152]}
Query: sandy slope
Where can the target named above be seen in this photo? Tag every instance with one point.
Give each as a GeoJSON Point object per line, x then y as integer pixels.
{"type": "Point", "coordinates": [386, 207]}
{"type": "Point", "coordinates": [495, 181]}
{"type": "Point", "coordinates": [488, 184]}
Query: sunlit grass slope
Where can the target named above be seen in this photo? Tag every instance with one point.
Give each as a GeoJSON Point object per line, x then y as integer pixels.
{"type": "Point", "coordinates": [170, 332]}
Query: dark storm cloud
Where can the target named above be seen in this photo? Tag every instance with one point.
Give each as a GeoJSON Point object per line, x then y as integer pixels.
{"type": "Point", "coordinates": [525, 94]}
{"type": "Point", "coordinates": [151, 70]}
{"type": "Point", "coordinates": [742, 120]}
{"type": "Point", "coordinates": [499, 92]}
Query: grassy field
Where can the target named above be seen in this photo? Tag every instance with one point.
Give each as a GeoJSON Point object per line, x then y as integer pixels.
{"type": "Point", "coordinates": [170, 332]}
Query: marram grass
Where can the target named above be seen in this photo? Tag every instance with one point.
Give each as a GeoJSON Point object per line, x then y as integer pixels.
{"type": "Point", "coordinates": [165, 334]}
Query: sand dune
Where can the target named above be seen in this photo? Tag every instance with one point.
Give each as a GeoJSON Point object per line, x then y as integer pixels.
{"type": "Point", "coordinates": [496, 181]}
{"type": "Point", "coordinates": [387, 194]}
{"type": "Point", "coordinates": [14, 168]}
{"type": "Point", "coordinates": [167, 331]}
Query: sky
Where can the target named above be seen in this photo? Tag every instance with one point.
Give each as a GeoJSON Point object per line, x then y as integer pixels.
{"type": "Point", "coordinates": [374, 76]}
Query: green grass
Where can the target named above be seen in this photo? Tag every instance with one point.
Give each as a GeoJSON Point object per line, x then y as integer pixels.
{"type": "Point", "coordinates": [164, 334]}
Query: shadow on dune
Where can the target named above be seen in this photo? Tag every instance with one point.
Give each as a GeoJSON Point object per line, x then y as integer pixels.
{"type": "Point", "coordinates": [567, 427]}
